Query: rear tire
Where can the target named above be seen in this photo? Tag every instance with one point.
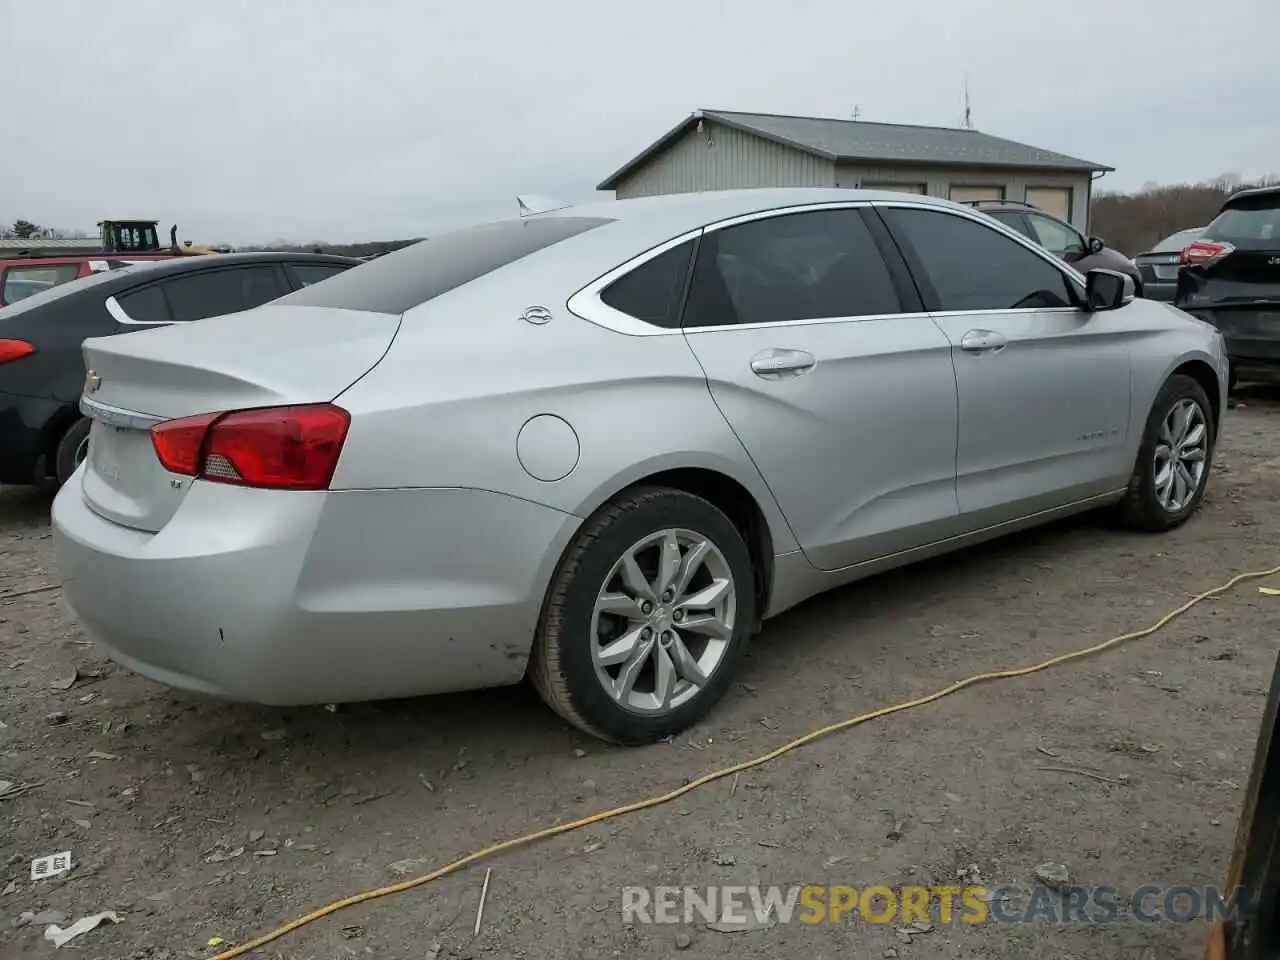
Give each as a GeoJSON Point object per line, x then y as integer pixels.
{"type": "Point", "coordinates": [618, 653]}
{"type": "Point", "coordinates": [1174, 461]}
{"type": "Point", "coordinates": [71, 450]}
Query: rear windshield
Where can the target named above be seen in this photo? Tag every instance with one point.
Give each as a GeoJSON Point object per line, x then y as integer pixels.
{"type": "Point", "coordinates": [1249, 223]}
{"type": "Point", "coordinates": [1176, 242]}
{"type": "Point", "coordinates": [402, 280]}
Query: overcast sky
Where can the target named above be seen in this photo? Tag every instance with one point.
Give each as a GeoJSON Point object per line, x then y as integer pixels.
{"type": "Point", "coordinates": [246, 120]}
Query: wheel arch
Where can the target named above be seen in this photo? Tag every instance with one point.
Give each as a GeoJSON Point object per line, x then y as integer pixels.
{"type": "Point", "coordinates": [54, 430]}
{"type": "Point", "coordinates": [746, 501]}
{"type": "Point", "coordinates": [1202, 372]}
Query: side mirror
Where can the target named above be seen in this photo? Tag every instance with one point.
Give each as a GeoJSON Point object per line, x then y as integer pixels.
{"type": "Point", "coordinates": [1096, 245]}
{"type": "Point", "coordinates": [1107, 289]}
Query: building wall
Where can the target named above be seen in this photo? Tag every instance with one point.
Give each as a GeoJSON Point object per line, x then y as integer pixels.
{"type": "Point", "coordinates": [727, 159]}
{"type": "Point", "coordinates": [939, 180]}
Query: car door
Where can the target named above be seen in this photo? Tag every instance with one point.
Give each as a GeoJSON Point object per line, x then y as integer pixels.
{"type": "Point", "coordinates": [840, 388]}
{"type": "Point", "coordinates": [1043, 385]}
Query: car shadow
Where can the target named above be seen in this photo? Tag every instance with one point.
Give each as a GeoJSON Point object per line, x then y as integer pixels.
{"type": "Point", "coordinates": [25, 508]}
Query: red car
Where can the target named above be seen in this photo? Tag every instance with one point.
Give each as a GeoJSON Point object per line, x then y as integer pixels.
{"type": "Point", "coordinates": [23, 276]}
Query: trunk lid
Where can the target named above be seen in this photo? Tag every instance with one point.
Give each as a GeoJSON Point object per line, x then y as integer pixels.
{"type": "Point", "coordinates": [269, 356]}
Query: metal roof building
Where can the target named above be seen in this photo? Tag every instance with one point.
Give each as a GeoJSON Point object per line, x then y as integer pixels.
{"type": "Point", "coordinates": [721, 150]}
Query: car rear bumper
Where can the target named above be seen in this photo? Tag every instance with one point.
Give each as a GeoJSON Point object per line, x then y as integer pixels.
{"type": "Point", "coordinates": [1162, 290]}
{"type": "Point", "coordinates": [1252, 336]}
{"type": "Point", "coordinates": [290, 598]}
{"type": "Point", "coordinates": [24, 427]}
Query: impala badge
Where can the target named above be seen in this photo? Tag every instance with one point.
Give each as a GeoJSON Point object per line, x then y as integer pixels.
{"type": "Point", "coordinates": [92, 382]}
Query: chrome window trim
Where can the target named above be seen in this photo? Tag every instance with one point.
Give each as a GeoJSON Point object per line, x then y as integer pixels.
{"type": "Point", "coordinates": [117, 417]}
{"type": "Point", "coordinates": [587, 303]}
{"type": "Point", "coordinates": [118, 314]}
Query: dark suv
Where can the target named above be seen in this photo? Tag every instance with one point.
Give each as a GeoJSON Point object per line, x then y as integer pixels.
{"type": "Point", "coordinates": [1060, 238]}
{"type": "Point", "coordinates": [1230, 277]}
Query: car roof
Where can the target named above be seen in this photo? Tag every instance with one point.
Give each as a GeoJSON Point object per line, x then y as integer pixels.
{"type": "Point", "coordinates": [687, 211]}
{"type": "Point", "coordinates": [77, 258]}
{"type": "Point", "coordinates": [1251, 193]}
{"type": "Point", "coordinates": [214, 261]}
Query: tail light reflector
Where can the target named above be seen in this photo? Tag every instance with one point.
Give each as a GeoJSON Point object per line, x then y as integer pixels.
{"type": "Point", "coordinates": [15, 350]}
{"type": "Point", "coordinates": [278, 448]}
{"type": "Point", "coordinates": [1202, 253]}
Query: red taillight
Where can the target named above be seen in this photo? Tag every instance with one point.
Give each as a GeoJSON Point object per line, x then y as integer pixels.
{"type": "Point", "coordinates": [281, 448]}
{"type": "Point", "coordinates": [15, 350]}
{"type": "Point", "coordinates": [1204, 252]}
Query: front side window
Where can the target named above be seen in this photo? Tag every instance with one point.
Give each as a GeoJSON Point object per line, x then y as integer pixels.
{"type": "Point", "coordinates": [1054, 236]}
{"type": "Point", "coordinates": [23, 282]}
{"type": "Point", "coordinates": [213, 293]}
{"type": "Point", "coordinates": [652, 292]}
{"type": "Point", "coordinates": [798, 266]}
{"type": "Point", "coordinates": [974, 267]}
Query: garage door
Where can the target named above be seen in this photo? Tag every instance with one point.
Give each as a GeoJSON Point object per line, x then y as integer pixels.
{"type": "Point", "coordinates": [1052, 200]}
{"type": "Point", "coordinates": [894, 187]}
{"type": "Point", "coordinates": [970, 194]}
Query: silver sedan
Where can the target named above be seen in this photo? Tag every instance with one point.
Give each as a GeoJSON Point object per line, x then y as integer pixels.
{"type": "Point", "coordinates": [597, 447]}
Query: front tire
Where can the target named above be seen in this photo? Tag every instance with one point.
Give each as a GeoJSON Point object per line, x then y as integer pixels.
{"type": "Point", "coordinates": [1173, 464]}
{"type": "Point", "coordinates": [647, 618]}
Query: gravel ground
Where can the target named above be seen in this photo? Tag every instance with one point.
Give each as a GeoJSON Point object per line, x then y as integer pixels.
{"type": "Point", "coordinates": [196, 820]}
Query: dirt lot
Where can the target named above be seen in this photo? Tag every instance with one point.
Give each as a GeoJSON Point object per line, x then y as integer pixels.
{"type": "Point", "coordinates": [195, 820]}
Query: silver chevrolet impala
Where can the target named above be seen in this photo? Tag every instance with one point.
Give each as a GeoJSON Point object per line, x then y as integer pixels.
{"type": "Point", "coordinates": [597, 447]}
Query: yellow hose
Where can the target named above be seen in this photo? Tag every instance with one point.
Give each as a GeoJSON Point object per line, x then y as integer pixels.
{"type": "Point", "coordinates": [707, 778]}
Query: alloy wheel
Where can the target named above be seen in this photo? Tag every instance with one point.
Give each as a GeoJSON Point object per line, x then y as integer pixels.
{"type": "Point", "coordinates": [663, 621]}
{"type": "Point", "coordinates": [1181, 454]}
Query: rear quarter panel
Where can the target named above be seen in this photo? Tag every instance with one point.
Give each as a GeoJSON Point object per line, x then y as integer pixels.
{"type": "Point", "coordinates": [446, 406]}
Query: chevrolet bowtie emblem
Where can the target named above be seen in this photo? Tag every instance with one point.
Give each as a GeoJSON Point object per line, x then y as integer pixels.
{"type": "Point", "coordinates": [92, 382]}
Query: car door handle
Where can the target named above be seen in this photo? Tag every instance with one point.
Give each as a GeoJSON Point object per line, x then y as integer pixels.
{"type": "Point", "coordinates": [777, 364]}
{"type": "Point", "coordinates": [983, 341]}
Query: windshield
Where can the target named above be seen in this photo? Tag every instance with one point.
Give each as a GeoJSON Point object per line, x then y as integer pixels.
{"type": "Point", "coordinates": [73, 286]}
{"type": "Point", "coordinates": [1250, 223]}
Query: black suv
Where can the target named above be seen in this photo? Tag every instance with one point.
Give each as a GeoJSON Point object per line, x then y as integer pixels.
{"type": "Point", "coordinates": [42, 434]}
{"type": "Point", "coordinates": [1230, 277]}
{"type": "Point", "coordinates": [1060, 238]}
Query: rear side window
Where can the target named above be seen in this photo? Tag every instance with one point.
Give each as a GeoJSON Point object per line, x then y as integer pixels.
{"type": "Point", "coordinates": [1249, 223]}
{"type": "Point", "coordinates": [216, 292]}
{"type": "Point", "coordinates": [798, 266]}
{"type": "Point", "coordinates": [146, 305]}
{"type": "Point", "coordinates": [305, 274]}
{"type": "Point", "coordinates": [23, 282]}
{"type": "Point", "coordinates": [652, 292]}
{"type": "Point", "coordinates": [413, 275]}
